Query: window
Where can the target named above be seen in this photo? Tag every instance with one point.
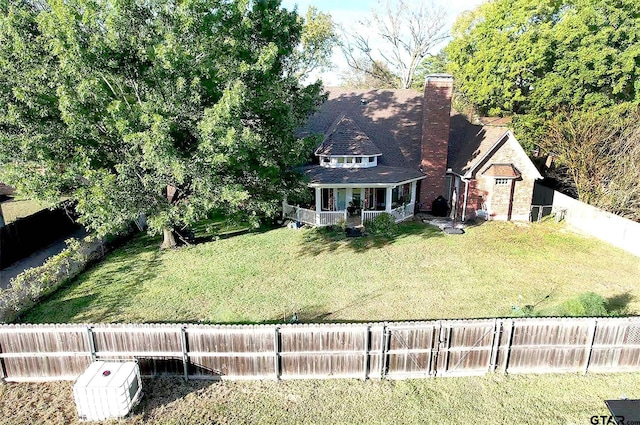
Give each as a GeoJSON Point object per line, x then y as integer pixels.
{"type": "Point", "coordinates": [502, 182]}
{"type": "Point", "coordinates": [340, 160]}
{"type": "Point", "coordinates": [359, 160]}
{"type": "Point", "coordinates": [325, 159]}
{"type": "Point", "coordinates": [349, 160]}
{"type": "Point", "coordinates": [372, 158]}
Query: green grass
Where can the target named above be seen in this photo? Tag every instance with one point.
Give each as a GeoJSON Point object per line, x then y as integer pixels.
{"type": "Point", "coordinates": [493, 399]}
{"type": "Point", "coordinates": [15, 209]}
{"type": "Point", "coordinates": [267, 275]}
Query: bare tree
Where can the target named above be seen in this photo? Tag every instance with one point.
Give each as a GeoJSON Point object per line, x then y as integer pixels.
{"type": "Point", "coordinates": [404, 31]}
{"type": "Point", "coordinates": [378, 76]}
{"type": "Point", "coordinates": [598, 156]}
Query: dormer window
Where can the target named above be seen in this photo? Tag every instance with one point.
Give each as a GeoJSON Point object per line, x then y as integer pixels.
{"type": "Point", "coordinates": [346, 146]}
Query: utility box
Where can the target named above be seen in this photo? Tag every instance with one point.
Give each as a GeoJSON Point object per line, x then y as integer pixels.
{"type": "Point", "coordinates": [107, 390]}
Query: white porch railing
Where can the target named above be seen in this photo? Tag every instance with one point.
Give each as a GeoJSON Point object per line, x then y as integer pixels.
{"type": "Point", "coordinates": [330, 218]}
{"type": "Point", "coordinates": [399, 214]}
{"type": "Point", "coordinates": [368, 215]}
{"type": "Point", "coordinates": [312, 217]}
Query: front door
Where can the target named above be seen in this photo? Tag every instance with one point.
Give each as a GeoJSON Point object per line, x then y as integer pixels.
{"type": "Point", "coordinates": [341, 199]}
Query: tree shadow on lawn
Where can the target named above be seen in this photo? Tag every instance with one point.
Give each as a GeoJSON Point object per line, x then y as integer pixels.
{"type": "Point", "coordinates": [324, 240]}
{"type": "Point", "coordinates": [104, 290]}
{"type": "Point", "coordinates": [618, 305]}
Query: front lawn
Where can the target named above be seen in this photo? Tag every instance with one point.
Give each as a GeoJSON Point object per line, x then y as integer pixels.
{"type": "Point", "coordinates": [268, 275]}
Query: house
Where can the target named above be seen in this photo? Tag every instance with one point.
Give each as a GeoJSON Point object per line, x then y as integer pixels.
{"type": "Point", "coordinates": [396, 151]}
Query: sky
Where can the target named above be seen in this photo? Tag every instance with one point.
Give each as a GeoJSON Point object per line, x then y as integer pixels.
{"type": "Point", "coordinates": [348, 12]}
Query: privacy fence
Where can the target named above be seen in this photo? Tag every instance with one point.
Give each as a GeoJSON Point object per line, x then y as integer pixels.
{"type": "Point", "coordinates": [605, 226]}
{"type": "Point", "coordinates": [364, 351]}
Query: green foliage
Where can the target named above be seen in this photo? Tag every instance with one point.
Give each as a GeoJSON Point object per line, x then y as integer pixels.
{"type": "Point", "coordinates": [432, 64]}
{"type": "Point", "coordinates": [383, 225]}
{"type": "Point", "coordinates": [318, 39]}
{"type": "Point", "coordinates": [113, 102]}
{"type": "Point", "coordinates": [533, 58]}
{"type": "Point", "coordinates": [31, 285]}
{"type": "Point", "coordinates": [587, 304]}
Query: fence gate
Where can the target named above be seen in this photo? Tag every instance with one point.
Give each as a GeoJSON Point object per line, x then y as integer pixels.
{"type": "Point", "coordinates": [442, 348]}
{"type": "Point", "coordinates": [411, 350]}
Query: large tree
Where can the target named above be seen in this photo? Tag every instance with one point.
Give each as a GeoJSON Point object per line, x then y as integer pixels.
{"type": "Point", "coordinates": [597, 159]}
{"type": "Point", "coordinates": [170, 109]}
{"type": "Point", "coordinates": [532, 58]}
{"type": "Point", "coordinates": [404, 33]}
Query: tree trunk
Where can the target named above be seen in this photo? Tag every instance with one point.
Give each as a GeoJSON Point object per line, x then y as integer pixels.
{"type": "Point", "coordinates": [169, 240]}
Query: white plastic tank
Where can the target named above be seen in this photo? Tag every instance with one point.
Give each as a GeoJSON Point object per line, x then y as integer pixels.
{"type": "Point", "coordinates": [107, 390]}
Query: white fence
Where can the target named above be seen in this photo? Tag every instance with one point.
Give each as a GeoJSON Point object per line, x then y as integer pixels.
{"type": "Point", "coordinates": [399, 214]}
{"type": "Point", "coordinates": [332, 218]}
{"type": "Point", "coordinates": [608, 227]}
{"type": "Point", "coordinates": [313, 218]}
{"type": "Point", "coordinates": [616, 230]}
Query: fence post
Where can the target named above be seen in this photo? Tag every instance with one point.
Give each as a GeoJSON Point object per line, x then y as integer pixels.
{"type": "Point", "coordinates": [185, 355]}
{"type": "Point", "coordinates": [383, 351]}
{"type": "Point", "coordinates": [92, 343]}
{"type": "Point", "coordinates": [367, 348]}
{"type": "Point", "coordinates": [3, 367]}
{"type": "Point", "coordinates": [497, 331]}
{"type": "Point", "coordinates": [276, 353]}
{"type": "Point", "coordinates": [508, 348]}
{"type": "Point", "coordinates": [589, 346]}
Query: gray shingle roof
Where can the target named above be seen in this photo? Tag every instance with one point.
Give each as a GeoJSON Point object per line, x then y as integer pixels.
{"type": "Point", "coordinates": [346, 138]}
{"type": "Point", "coordinates": [380, 174]}
{"type": "Point", "coordinates": [468, 143]}
{"type": "Point", "coordinates": [392, 121]}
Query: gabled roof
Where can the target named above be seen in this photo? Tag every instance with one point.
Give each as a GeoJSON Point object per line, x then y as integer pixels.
{"type": "Point", "coordinates": [345, 138]}
{"type": "Point", "coordinates": [469, 143]}
{"type": "Point", "coordinates": [502, 170]}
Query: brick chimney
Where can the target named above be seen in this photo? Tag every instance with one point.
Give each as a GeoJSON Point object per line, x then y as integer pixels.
{"type": "Point", "coordinates": [435, 136]}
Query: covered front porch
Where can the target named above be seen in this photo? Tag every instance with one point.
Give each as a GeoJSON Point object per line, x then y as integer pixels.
{"type": "Point", "coordinates": [354, 205]}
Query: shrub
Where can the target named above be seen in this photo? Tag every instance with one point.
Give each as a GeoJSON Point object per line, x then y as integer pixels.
{"type": "Point", "coordinates": [587, 304]}
{"type": "Point", "coordinates": [383, 225]}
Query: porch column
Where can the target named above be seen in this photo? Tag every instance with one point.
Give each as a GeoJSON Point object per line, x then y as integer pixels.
{"type": "Point", "coordinates": [387, 202]}
{"type": "Point", "coordinates": [414, 185]}
{"type": "Point", "coordinates": [318, 204]}
{"type": "Point", "coordinates": [349, 196]}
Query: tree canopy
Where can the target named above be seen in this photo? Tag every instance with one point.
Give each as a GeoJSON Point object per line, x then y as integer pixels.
{"type": "Point", "coordinates": [533, 58]}
{"type": "Point", "coordinates": [171, 109]}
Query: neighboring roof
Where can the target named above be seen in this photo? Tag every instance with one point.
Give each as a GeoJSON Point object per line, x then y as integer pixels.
{"type": "Point", "coordinates": [345, 138]}
{"type": "Point", "coordinates": [502, 170]}
{"type": "Point", "coordinates": [391, 119]}
{"type": "Point", "coordinates": [380, 174]}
